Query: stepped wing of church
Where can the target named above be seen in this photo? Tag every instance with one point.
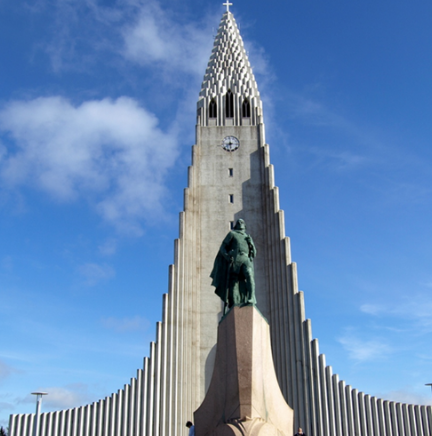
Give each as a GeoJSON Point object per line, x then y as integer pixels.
{"type": "Point", "coordinates": [230, 178]}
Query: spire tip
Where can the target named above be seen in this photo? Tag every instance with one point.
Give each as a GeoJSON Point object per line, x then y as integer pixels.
{"type": "Point", "coordinates": [227, 4]}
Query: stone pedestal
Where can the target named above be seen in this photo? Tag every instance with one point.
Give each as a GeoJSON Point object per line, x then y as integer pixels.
{"type": "Point", "coordinates": [244, 397]}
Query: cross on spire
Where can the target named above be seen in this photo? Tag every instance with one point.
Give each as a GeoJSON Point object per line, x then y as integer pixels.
{"type": "Point", "coordinates": [227, 4]}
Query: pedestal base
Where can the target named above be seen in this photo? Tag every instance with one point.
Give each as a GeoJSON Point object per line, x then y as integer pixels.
{"type": "Point", "coordinates": [244, 397]}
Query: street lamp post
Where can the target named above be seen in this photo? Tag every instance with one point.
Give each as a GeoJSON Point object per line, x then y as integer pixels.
{"type": "Point", "coordinates": [39, 396]}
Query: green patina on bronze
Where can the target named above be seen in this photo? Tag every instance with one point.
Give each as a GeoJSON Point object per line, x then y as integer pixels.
{"type": "Point", "coordinates": [233, 271]}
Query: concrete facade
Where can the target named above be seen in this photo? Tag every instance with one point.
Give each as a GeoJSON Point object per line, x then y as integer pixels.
{"type": "Point", "coordinates": [222, 187]}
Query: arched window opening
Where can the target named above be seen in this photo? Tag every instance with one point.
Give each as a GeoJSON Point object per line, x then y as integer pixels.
{"type": "Point", "coordinates": [229, 104]}
{"type": "Point", "coordinates": [212, 109]}
{"type": "Point", "coordinates": [246, 108]}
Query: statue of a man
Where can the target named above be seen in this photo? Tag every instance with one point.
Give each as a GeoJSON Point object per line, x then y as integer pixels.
{"type": "Point", "coordinates": [233, 273]}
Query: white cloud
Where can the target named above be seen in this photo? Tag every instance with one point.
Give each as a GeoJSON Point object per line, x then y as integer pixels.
{"type": "Point", "coordinates": [64, 398]}
{"type": "Point", "coordinates": [95, 273]}
{"type": "Point", "coordinates": [82, 31]}
{"type": "Point", "coordinates": [362, 351]}
{"type": "Point", "coordinates": [126, 324]}
{"type": "Point", "coordinates": [142, 32]}
{"type": "Point", "coordinates": [157, 39]}
{"type": "Point", "coordinates": [108, 151]}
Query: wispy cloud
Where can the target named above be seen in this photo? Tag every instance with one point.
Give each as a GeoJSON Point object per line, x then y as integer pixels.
{"type": "Point", "coordinates": [371, 309]}
{"type": "Point", "coordinates": [79, 31]}
{"type": "Point", "coordinates": [340, 160]}
{"type": "Point", "coordinates": [108, 248]}
{"type": "Point", "coordinates": [122, 325]}
{"type": "Point", "coordinates": [95, 273]}
{"type": "Point", "coordinates": [141, 32]}
{"type": "Point", "coordinates": [407, 396]}
{"type": "Point", "coordinates": [393, 169]}
{"type": "Point", "coordinates": [352, 148]}
{"type": "Point", "coordinates": [314, 112]}
{"type": "Point", "coordinates": [417, 309]}
{"type": "Point", "coordinates": [101, 150]}
{"type": "Point", "coordinates": [6, 263]}
{"type": "Point", "coordinates": [6, 406]}
{"type": "Point", "coordinates": [63, 397]}
{"type": "Point", "coordinates": [6, 370]}
{"type": "Point", "coordinates": [364, 350]}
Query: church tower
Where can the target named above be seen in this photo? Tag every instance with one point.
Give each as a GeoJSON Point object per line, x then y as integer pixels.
{"type": "Point", "coordinates": [230, 178]}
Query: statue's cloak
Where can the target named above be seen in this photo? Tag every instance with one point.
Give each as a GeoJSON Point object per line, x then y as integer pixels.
{"type": "Point", "coordinates": [219, 275]}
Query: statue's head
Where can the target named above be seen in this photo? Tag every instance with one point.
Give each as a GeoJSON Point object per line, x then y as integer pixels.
{"type": "Point", "coordinates": [240, 225]}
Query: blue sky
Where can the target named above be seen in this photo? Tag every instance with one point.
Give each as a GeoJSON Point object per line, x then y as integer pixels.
{"type": "Point", "coordinates": [97, 107]}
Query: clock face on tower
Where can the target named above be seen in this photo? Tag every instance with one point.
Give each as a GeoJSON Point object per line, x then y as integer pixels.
{"type": "Point", "coordinates": [230, 143]}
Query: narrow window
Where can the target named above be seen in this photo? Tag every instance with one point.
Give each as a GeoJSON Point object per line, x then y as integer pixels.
{"type": "Point", "coordinates": [246, 108]}
{"type": "Point", "coordinates": [212, 108]}
{"type": "Point", "coordinates": [231, 198]}
{"type": "Point", "coordinates": [231, 172]}
{"type": "Point", "coordinates": [229, 104]}
{"type": "Point", "coordinates": [231, 225]}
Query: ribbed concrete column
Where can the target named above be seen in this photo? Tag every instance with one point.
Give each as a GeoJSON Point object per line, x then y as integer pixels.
{"type": "Point", "coordinates": [362, 414]}
{"type": "Point", "coordinates": [426, 422]}
{"type": "Point", "coordinates": [107, 417]}
{"type": "Point", "coordinates": [400, 419]}
{"type": "Point", "coordinates": [324, 396]}
{"type": "Point", "coordinates": [339, 416]}
{"type": "Point", "coordinates": [407, 424]}
{"type": "Point", "coordinates": [418, 420]}
{"type": "Point", "coordinates": [381, 418]}
{"type": "Point", "coordinates": [330, 399]}
{"type": "Point", "coordinates": [319, 429]}
{"type": "Point", "coordinates": [387, 419]}
{"type": "Point", "coordinates": [394, 418]}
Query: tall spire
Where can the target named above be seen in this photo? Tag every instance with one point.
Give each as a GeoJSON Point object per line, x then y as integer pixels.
{"type": "Point", "coordinates": [228, 70]}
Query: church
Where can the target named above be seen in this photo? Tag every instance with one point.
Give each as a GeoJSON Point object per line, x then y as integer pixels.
{"type": "Point", "coordinates": [230, 177]}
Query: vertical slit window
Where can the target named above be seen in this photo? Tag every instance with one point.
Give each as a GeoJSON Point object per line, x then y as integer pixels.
{"type": "Point", "coordinates": [231, 225]}
{"type": "Point", "coordinates": [212, 109]}
{"type": "Point", "coordinates": [231, 172]}
{"type": "Point", "coordinates": [229, 104]}
{"type": "Point", "coordinates": [246, 108]}
{"type": "Point", "coordinates": [231, 198]}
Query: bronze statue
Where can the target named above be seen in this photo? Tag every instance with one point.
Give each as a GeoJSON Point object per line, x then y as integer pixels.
{"type": "Point", "coordinates": [233, 272]}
